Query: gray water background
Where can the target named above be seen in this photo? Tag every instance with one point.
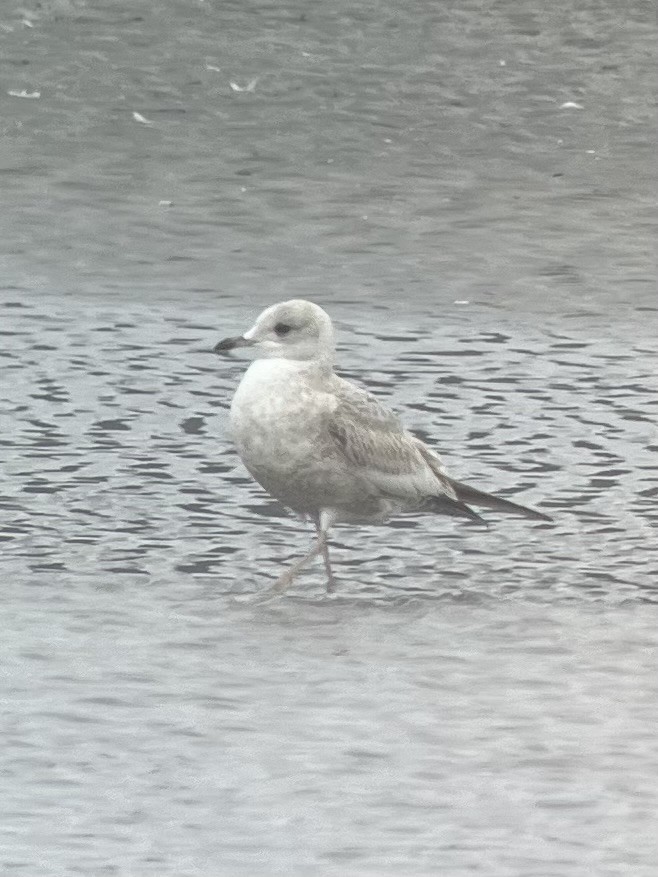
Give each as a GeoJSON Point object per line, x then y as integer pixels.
{"type": "Point", "coordinates": [471, 701]}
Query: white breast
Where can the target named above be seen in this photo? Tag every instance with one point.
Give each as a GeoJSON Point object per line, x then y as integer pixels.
{"type": "Point", "coordinates": [279, 420]}
{"type": "Point", "coordinates": [268, 385]}
{"type": "Point", "coordinates": [273, 419]}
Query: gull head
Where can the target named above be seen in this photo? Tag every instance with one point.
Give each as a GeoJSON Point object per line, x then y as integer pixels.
{"type": "Point", "coordinates": [295, 329]}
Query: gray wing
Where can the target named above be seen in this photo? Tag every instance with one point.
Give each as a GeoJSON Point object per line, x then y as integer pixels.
{"type": "Point", "coordinates": [387, 457]}
{"type": "Point", "coordinates": [372, 441]}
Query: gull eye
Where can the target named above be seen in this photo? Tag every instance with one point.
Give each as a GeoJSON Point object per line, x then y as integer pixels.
{"type": "Point", "coordinates": [282, 329]}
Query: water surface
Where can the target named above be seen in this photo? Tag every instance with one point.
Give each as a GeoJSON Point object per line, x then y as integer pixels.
{"type": "Point", "coordinates": [471, 701]}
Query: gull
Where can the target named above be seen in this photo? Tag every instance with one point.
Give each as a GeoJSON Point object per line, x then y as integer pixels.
{"type": "Point", "coordinates": [325, 448]}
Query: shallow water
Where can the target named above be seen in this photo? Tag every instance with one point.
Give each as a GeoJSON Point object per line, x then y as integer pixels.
{"type": "Point", "coordinates": [119, 460]}
{"type": "Point", "coordinates": [471, 700]}
{"type": "Point", "coordinates": [469, 694]}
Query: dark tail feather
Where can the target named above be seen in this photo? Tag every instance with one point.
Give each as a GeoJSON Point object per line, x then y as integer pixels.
{"type": "Point", "coordinates": [445, 505]}
{"type": "Point", "coordinates": [479, 497]}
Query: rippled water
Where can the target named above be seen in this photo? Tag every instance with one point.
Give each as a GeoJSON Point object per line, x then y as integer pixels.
{"type": "Point", "coordinates": [469, 693]}
{"type": "Point", "coordinates": [120, 464]}
{"type": "Point", "coordinates": [470, 700]}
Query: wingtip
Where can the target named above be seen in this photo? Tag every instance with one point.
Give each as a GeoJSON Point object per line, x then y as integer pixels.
{"type": "Point", "coordinates": [446, 505]}
{"type": "Point", "coordinates": [466, 493]}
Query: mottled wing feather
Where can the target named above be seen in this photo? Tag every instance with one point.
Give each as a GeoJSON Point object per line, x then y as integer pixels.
{"type": "Point", "coordinates": [370, 435]}
{"type": "Point", "coordinates": [434, 462]}
{"type": "Point", "coordinates": [360, 406]}
{"type": "Point", "coordinates": [372, 439]}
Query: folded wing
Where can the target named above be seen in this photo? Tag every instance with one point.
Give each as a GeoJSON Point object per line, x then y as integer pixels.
{"type": "Point", "coordinates": [375, 445]}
